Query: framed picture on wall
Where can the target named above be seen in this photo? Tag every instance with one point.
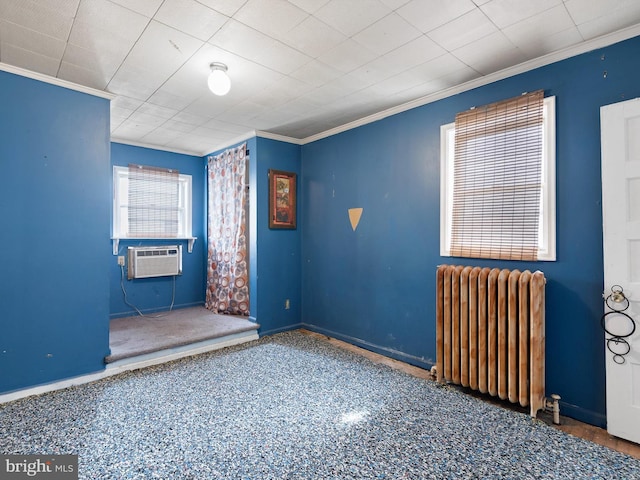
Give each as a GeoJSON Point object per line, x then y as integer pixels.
{"type": "Point", "coordinates": [282, 199]}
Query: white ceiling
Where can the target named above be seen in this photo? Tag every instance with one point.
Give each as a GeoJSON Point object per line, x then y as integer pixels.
{"type": "Point", "coordinates": [298, 67]}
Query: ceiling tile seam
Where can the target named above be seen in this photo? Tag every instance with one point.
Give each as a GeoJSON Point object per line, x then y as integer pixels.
{"type": "Point", "coordinates": [447, 52]}
{"type": "Point", "coordinates": [498, 30]}
{"type": "Point", "coordinates": [154, 129]}
{"type": "Point", "coordinates": [352, 37]}
{"type": "Point", "coordinates": [157, 9]}
{"type": "Point", "coordinates": [297, 49]}
{"type": "Point", "coordinates": [23, 27]}
{"type": "Point", "coordinates": [451, 52]}
{"type": "Point", "coordinates": [67, 41]}
{"type": "Point", "coordinates": [197, 100]}
{"type": "Point", "coordinates": [373, 23]}
{"type": "Point", "coordinates": [217, 11]}
{"type": "Point", "coordinates": [268, 36]}
{"type": "Point", "coordinates": [36, 54]}
{"type": "Point", "coordinates": [228, 19]}
{"type": "Point", "coordinates": [106, 87]}
{"type": "Point", "coordinates": [486, 15]}
{"type": "Point", "coordinates": [523, 19]}
{"type": "Point", "coordinates": [149, 20]}
{"type": "Point", "coordinates": [301, 21]}
{"type": "Point", "coordinates": [121, 5]}
{"type": "Point", "coordinates": [564, 5]}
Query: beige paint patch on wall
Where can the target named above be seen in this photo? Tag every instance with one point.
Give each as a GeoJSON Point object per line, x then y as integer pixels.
{"type": "Point", "coordinates": [354, 217]}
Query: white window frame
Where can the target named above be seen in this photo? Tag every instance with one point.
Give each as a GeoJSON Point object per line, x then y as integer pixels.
{"type": "Point", "coordinates": [120, 192]}
{"type": "Point", "coordinates": [547, 226]}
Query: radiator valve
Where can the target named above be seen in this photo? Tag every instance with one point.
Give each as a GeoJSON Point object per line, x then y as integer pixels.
{"type": "Point", "coordinates": [554, 405]}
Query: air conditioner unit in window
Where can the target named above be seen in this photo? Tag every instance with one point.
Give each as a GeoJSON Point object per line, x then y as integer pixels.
{"type": "Point", "coordinates": [161, 261]}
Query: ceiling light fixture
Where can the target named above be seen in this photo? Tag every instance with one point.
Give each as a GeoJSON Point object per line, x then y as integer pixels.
{"type": "Point", "coordinates": [219, 82]}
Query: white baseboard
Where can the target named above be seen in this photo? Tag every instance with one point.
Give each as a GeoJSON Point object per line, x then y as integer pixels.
{"type": "Point", "coordinates": [135, 363]}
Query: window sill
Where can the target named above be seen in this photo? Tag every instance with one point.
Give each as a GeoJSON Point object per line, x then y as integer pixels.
{"type": "Point", "coordinates": [116, 241]}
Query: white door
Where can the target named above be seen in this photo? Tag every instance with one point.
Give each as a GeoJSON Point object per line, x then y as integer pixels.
{"type": "Point", "coordinates": [620, 136]}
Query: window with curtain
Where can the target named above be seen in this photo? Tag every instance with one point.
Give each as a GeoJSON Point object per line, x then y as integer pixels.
{"type": "Point", "coordinates": [498, 181]}
{"type": "Point", "coordinates": [151, 202]}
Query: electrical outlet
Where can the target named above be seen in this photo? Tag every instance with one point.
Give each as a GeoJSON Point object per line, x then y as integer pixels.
{"type": "Point", "coordinates": [287, 304]}
{"type": "Point", "coordinates": [121, 260]}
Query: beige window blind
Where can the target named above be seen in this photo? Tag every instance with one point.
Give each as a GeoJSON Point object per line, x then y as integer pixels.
{"type": "Point", "coordinates": [497, 179]}
{"type": "Point", "coordinates": [153, 202]}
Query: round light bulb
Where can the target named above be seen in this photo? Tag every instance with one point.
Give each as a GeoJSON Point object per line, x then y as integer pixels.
{"type": "Point", "coordinates": [219, 82]}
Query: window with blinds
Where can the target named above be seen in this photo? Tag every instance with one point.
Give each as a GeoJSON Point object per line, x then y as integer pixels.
{"type": "Point", "coordinates": [498, 181]}
{"type": "Point", "coordinates": [151, 202]}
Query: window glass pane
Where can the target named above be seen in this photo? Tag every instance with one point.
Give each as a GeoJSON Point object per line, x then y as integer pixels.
{"type": "Point", "coordinates": [151, 203]}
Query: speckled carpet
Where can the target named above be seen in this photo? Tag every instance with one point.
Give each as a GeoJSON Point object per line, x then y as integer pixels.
{"type": "Point", "coordinates": [293, 406]}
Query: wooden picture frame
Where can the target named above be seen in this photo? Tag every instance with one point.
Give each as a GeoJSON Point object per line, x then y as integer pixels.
{"type": "Point", "coordinates": [282, 199]}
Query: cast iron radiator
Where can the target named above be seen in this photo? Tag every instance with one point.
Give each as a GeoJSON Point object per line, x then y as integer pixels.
{"type": "Point", "coordinates": [490, 332]}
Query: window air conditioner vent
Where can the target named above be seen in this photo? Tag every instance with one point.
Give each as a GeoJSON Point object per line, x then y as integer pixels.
{"type": "Point", "coordinates": [160, 261]}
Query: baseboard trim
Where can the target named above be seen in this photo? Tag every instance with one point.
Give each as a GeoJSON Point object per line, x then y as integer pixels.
{"type": "Point", "coordinates": [583, 415]}
{"type": "Point", "coordinates": [387, 352]}
{"type": "Point", "coordinates": [135, 363]}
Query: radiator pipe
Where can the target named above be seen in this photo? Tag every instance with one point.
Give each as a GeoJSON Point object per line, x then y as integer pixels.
{"type": "Point", "coordinates": [554, 404]}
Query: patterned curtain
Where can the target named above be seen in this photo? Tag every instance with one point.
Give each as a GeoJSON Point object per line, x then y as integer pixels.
{"type": "Point", "coordinates": [227, 269]}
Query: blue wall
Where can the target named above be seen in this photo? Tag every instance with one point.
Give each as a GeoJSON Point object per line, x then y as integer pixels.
{"type": "Point", "coordinates": [376, 286]}
{"type": "Point", "coordinates": [278, 250]}
{"type": "Point", "coordinates": [274, 256]}
{"type": "Point", "coordinates": [54, 205]}
{"type": "Point", "coordinates": [155, 294]}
